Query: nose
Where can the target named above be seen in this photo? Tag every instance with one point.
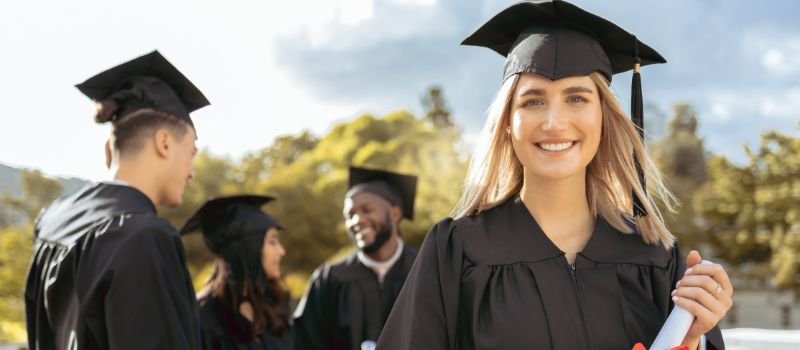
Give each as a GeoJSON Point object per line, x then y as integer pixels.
{"type": "Point", "coordinates": [191, 174]}
{"type": "Point", "coordinates": [555, 119]}
{"type": "Point", "coordinates": [281, 250]}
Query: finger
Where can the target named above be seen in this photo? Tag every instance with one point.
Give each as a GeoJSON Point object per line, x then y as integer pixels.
{"type": "Point", "coordinates": [709, 285]}
{"type": "Point", "coordinates": [701, 296]}
{"type": "Point", "coordinates": [693, 258]}
{"type": "Point", "coordinates": [703, 317]}
{"type": "Point", "coordinates": [701, 281]}
{"type": "Point", "coordinates": [715, 271]}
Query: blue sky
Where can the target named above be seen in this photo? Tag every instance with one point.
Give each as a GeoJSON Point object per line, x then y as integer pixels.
{"type": "Point", "coordinates": [271, 68]}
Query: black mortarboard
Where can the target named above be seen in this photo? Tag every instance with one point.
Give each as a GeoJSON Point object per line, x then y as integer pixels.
{"type": "Point", "coordinates": [149, 81]}
{"type": "Point", "coordinates": [400, 190]}
{"type": "Point", "coordinates": [556, 39]}
{"type": "Point", "coordinates": [227, 219]}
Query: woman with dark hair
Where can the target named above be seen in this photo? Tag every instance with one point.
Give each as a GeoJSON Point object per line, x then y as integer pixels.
{"type": "Point", "coordinates": [243, 304]}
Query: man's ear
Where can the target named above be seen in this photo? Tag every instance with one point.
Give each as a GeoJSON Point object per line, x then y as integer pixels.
{"type": "Point", "coordinates": [396, 213]}
{"type": "Point", "coordinates": [162, 141]}
{"type": "Point", "coordinates": [108, 154]}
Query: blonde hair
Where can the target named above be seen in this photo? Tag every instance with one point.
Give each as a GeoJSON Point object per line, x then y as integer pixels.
{"type": "Point", "coordinates": [495, 174]}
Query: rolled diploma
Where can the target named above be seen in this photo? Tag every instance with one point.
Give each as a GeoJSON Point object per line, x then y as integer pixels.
{"type": "Point", "coordinates": [675, 328]}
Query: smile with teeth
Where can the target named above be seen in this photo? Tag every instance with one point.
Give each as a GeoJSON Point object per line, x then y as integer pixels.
{"type": "Point", "coordinates": [555, 147]}
{"type": "Point", "coordinates": [361, 234]}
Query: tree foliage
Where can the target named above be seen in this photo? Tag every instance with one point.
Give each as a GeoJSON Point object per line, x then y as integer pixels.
{"type": "Point", "coordinates": [680, 155]}
{"type": "Point", "coordinates": [16, 245]}
{"type": "Point", "coordinates": [752, 212]}
{"type": "Point", "coordinates": [436, 110]}
{"type": "Point", "coordinates": [37, 192]}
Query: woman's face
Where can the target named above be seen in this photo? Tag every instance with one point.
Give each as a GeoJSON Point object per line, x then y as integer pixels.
{"type": "Point", "coordinates": [271, 254]}
{"type": "Point", "coordinates": [555, 125]}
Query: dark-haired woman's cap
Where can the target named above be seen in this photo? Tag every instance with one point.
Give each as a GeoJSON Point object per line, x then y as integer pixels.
{"type": "Point", "coordinates": [149, 81]}
{"type": "Point", "coordinates": [228, 219]}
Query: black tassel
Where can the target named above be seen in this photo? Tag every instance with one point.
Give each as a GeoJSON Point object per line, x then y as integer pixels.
{"type": "Point", "coordinates": [637, 115]}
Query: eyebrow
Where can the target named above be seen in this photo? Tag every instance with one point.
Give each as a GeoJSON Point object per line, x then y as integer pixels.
{"type": "Point", "coordinates": [535, 92]}
{"type": "Point", "coordinates": [569, 90]}
{"type": "Point", "coordinates": [355, 208]}
{"type": "Point", "coordinates": [577, 89]}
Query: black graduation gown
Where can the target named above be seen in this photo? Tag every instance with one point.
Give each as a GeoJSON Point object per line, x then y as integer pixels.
{"type": "Point", "coordinates": [495, 281]}
{"type": "Point", "coordinates": [345, 304]}
{"type": "Point", "coordinates": [224, 329]}
{"type": "Point", "coordinates": [107, 273]}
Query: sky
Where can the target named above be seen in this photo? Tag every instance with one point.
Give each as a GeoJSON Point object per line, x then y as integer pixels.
{"type": "Point", "coordinates": [271, 68]}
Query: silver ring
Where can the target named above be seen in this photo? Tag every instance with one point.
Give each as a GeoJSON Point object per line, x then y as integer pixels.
{"type": "Point", "coordinates": [716, 291]}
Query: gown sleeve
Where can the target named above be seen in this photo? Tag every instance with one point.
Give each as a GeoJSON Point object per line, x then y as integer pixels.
{"type": "Point", "coordinates": [425, 315]}
{"type": "Point", "coordinates": [678, 265]}
{"type": "Point", "coordinates": [40, 333]}
{"type": "Point", "coordinates": [150, 302]}
{"type": "Point", "coordinates": [308, 331]}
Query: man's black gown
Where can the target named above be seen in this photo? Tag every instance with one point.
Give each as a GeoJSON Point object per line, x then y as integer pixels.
{"type": "Point", "coordinates": [107, 273]}
{"type": "Point", "coordinates": [345, 304]}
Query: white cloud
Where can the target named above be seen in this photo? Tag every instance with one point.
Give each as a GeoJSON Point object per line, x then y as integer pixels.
{"type": "Point", "coordinates": [782, 105]}
{"type": "Point", "coordinates": [777, 51]}
{"type": "Point", "coordinates": [720, 111]}
{"type": "Point", "coordinates": [726, 105]}
{"type": "Point", "coordinates": [348, 24]}
{"type": "Point", "coordinates": [353, 12]}
{"type": "Point", "coordinates": [415, 2]}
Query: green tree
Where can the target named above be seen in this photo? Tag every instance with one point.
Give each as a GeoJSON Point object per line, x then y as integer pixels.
{"type": "Point", "coordinates": [680, 155]}
{"type": "Point", "coordinates": [15, 243]}
{"type": "Point", "coordinates": [752, 212]}
{"type": "Point", "coordinates": [37, 192]}
{"type": "Point", "coordinates": [284, 150]}
{"type": "Point", "coordinates": [5, 219]}
{"type": "Point", "coordinates": [436, 110]}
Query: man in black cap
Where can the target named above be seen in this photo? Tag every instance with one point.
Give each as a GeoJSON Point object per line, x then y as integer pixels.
{"type": "Point", "coordinates": [107, 273]}
{"type": "Point", "coordinates": [348, 302]}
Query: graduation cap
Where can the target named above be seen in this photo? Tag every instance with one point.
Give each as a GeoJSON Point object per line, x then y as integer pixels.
{"type": "Point", "coordinates": [556, 39]}
{"type": "Point", "coordinates": [149, 81]}
{"type": "Point", "coordinates": [227, 219]}
{"type": "Point", "coordinates": [400, 190]}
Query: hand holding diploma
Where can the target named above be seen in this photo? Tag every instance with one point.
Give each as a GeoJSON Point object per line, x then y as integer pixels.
{"type": "Point", "coordinates": [706, 292]}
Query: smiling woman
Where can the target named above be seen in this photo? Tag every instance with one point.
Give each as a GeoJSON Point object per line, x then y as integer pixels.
{"type": "Point", "coordinates": [556, 243]}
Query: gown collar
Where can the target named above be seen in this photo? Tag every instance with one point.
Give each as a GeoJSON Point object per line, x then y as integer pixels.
{"type": "Point", "coordinates": [606, 245]}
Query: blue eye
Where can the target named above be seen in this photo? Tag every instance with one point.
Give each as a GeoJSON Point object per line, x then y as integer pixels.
{"type": "Point", "coordinates": [576, 99]}
{"type": "Point", "coordinates": [533, 102]}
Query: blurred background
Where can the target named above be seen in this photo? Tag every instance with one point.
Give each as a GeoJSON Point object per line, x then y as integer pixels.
{"type": "Point", "coordinates": [301, 90]}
